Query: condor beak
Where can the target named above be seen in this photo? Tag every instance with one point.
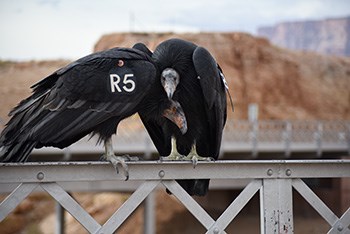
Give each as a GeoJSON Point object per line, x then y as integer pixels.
{"type": "Point", "coordinates": [176, 115]}
{"type": "Point", "coordinates": [169, 87]}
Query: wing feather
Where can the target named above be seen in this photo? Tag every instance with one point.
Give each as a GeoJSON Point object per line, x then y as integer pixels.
{"type": "Point", "coordinates": [214, 92]}
{"type": "Point", "coordinates": [208, 74]}
{"type": "Point", "coordinates": [76, 100]}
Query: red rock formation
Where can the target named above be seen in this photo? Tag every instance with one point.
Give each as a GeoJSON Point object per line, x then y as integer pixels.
{"type": "Point", "coordinates": [286, 84]}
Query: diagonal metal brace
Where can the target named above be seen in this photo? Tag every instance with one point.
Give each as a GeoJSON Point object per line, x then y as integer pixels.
{"type": "Point", "coordinates": [197, 211]}
{"type": "Point", "coordinates": [321, 208]}
{"type": "Point", "coordinates": [73, 207]}
{"type": "Point", "coordinates": [236, 206]}
{"type": "Point", "coordinates": [114, 222]}
{"type": "Point", "coordinates": [16, 197]}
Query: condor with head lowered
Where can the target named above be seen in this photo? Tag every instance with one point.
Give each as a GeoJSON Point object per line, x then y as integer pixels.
{"type": "Point", "coordinates": [90, 95]}
{"type": "Point", "coordinates": [191, 77]}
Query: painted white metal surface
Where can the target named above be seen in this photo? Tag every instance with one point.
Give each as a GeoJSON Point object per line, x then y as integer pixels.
{"type": "Point", "coordinates": [273, 180]}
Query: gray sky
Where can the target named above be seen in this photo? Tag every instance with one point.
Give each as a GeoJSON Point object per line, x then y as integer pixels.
{"type": "Point", "coordinates": [49, 29]}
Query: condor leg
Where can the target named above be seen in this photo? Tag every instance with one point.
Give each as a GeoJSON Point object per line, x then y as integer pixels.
{"type": "Point", "coordinates": [115, 160]}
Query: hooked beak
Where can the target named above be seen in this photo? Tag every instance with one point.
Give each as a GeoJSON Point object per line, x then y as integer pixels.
{"type": "Point", "coordinates": [176, 115]}
{"type": "Point", "coordinates": [169, 87]}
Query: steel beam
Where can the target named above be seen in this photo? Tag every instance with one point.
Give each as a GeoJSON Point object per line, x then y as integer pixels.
{"type": "Point", "coordinates": [274, 179]}
{"type": "Point", "coordinates": [276, 206]}
{"type": "Point", "coordinates": [154, 170]}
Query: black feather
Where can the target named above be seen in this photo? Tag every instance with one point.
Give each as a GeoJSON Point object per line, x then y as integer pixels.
{"type": "Point", "coordinates": [77, 100]}
{"type": "Point", "coordinates": [201, 93]}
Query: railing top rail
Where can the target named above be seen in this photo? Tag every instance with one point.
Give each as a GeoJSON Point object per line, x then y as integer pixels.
{"type": "Point", "coordinates": [155, 170]}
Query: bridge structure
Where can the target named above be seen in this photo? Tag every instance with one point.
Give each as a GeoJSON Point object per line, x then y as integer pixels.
{"type": "Point", "coordinates": [240, 137]}
{"type": "Point", "coordinates": [273, 180]}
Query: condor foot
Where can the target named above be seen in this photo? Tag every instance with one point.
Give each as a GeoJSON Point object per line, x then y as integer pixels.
{"type": "Point", "coordinates": [120, 160]}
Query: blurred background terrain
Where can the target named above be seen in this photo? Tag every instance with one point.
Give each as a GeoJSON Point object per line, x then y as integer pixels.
{"type": "Point", "coordinates": [286, 84]}
{"type": "Point", "coordinates": [293, 68]}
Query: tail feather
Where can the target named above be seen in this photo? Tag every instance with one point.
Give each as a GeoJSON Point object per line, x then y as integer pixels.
{"type": "Point", "coordinates": [194, 187]}
{"type": "Point", "coordinates": [15, 145]}
{"type": "Point", "coordinates": [16, 152]}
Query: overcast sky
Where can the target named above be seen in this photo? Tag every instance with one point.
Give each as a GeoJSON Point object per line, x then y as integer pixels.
{"type": "Point", "coordinates": [50, 29]}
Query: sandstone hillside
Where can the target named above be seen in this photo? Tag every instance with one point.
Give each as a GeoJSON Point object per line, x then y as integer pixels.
{"type": "Point", "coordinates": [17, 77]}
{"type": "Point", "coordinates": [286, 84]}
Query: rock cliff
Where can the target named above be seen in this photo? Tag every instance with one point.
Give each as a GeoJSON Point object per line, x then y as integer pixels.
{"type": "Point", "coordinates": [285, 84]}
{"type": "Point", "coordinates": [329, 36]}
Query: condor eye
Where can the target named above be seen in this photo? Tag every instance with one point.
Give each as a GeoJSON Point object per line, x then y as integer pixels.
{"type": "Point", "coordinates": [162, 79]}
{"type": "Point", "coordinates": [120, 63]}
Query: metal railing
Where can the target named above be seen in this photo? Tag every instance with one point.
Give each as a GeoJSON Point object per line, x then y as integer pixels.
{"type": "Point", "coordinates": [288, 136]}
{"type": "Point", "coordinates": [273, 180]}
{"type": "Point", "coordinates": [239, 136]}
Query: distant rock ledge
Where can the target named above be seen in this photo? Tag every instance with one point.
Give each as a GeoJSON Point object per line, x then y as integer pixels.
{"type": "Point", "coordinates": [329, 36]}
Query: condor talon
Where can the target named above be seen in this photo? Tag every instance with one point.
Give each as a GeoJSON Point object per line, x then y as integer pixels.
{"type": "Point", "coordinates": [115, 160]}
